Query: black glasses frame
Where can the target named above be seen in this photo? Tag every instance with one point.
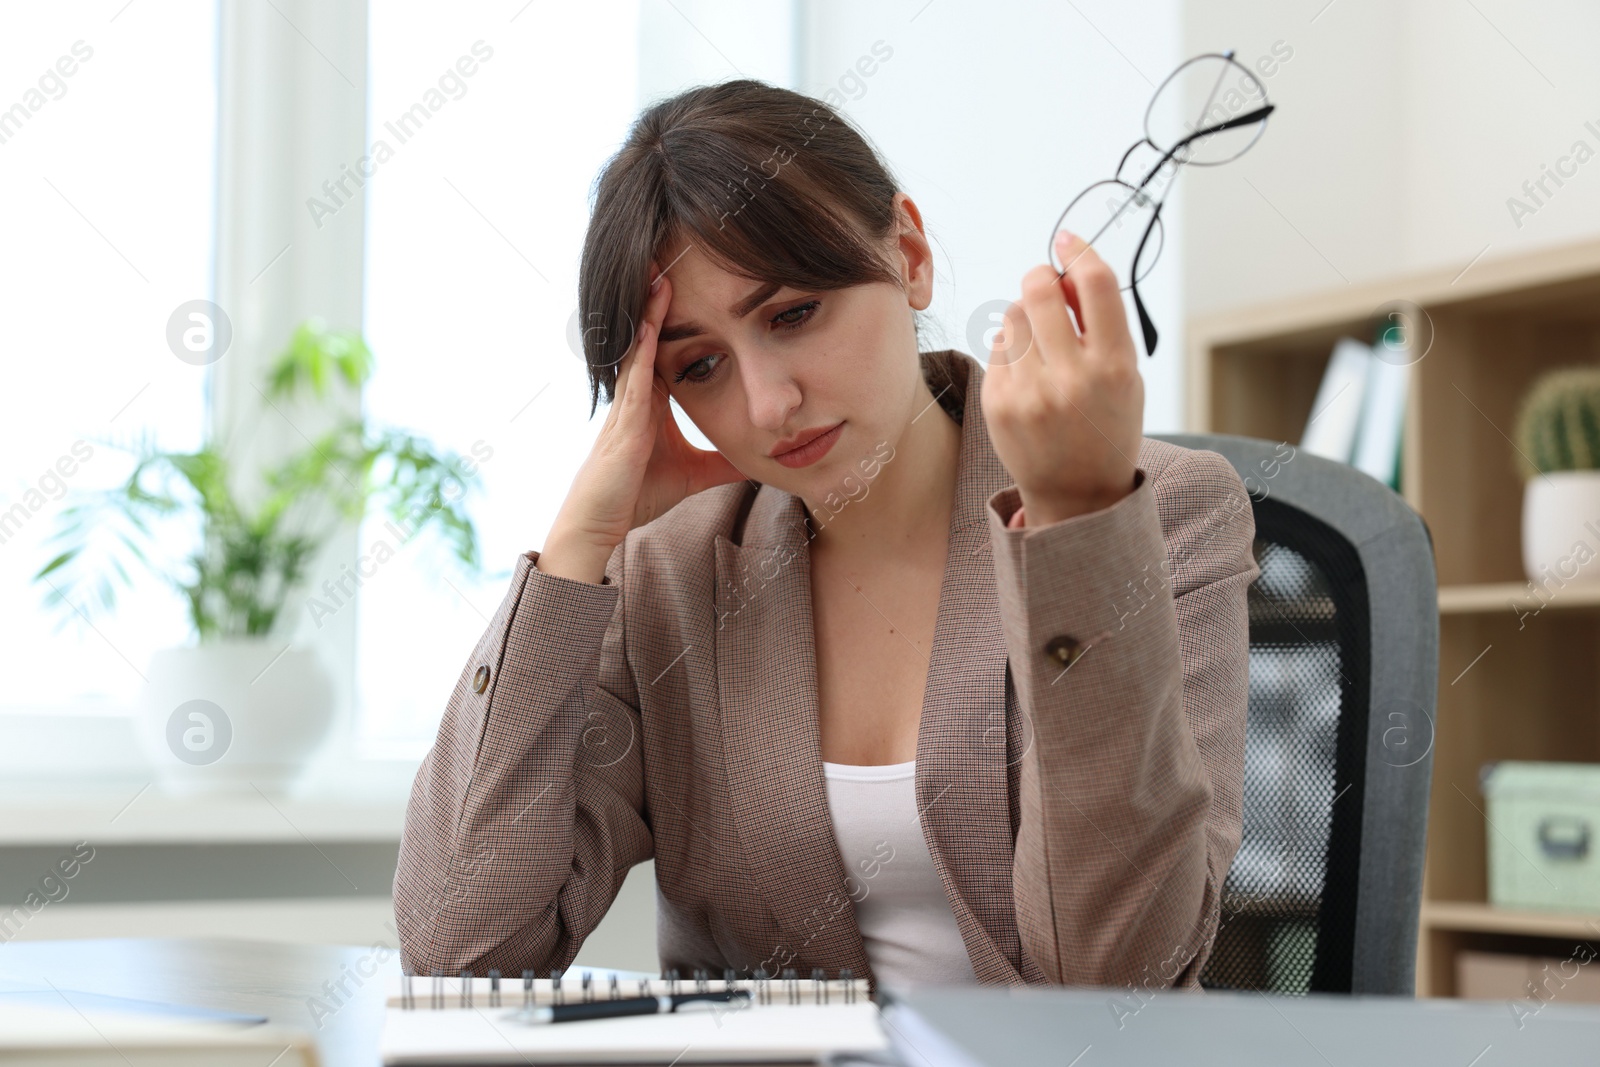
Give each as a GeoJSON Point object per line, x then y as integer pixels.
{"type": "Point", "coordinates": [1171, 155]}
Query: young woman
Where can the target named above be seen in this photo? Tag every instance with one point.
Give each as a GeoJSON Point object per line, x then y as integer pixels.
{"type": "Point", "coordinates": [931, 671]}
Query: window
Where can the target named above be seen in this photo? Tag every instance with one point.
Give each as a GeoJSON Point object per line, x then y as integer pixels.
{"type": "Point", "coordinates": [107, 154]}
{"type": "Point", "coordinates": [475, 224]}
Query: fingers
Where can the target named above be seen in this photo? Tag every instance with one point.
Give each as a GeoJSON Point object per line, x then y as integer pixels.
{"type": "Point", "coordinates": [1095, 294]}
{"type": "Point", "coordinates": [1012, 363]}
{"type": "Point", "coordinates": [1053, 301]}
{"type": "Point", "coordinates": [1044, 302]}
{"type": "Point", "coordinates": [1066, 317]}
{"type": "Point", "coordinates": [1069, 289]}
{"type": "Point", "coordinates": [641, 355]}
{"type": "Point", "coordinates": [1014, 339]}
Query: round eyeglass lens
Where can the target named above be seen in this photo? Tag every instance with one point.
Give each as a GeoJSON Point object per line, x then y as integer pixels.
{"type": "Point", "coordinates": [1112, 217]}
{"type": "Point", "coordinates": [1200, 95]}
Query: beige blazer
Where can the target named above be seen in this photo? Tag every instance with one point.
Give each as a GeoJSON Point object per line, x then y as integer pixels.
{"type": "Point", "coordinates": [1079, 763]}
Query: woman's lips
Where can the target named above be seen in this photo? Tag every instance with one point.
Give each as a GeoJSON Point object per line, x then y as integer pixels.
{"type": "Point", "coordinates": [811, 451]}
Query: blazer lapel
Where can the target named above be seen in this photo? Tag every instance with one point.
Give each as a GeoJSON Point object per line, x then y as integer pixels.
{"type": "Point", "coordinates": [772, 743]}
{"type": "Point", "coordinates": [767, 674]}
{"type": "Point", "coordinates": [965, 744]}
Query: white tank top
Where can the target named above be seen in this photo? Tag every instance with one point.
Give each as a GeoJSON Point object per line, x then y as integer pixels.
{"type": "Point", "coordinates": [910, 932]}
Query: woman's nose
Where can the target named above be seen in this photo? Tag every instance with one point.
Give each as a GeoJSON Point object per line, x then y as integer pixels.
{"type": "Point", "coordinates": [771, 393]}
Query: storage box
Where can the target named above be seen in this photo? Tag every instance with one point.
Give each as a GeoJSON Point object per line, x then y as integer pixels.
{"type": "Point", "coordinates": [1542, 834]}
{"type": "Point", "coordinates": [1502, 976]}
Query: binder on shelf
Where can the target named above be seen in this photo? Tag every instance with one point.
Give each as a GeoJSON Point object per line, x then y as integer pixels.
{"type": "Point", "coordinates": [1377, 447]}
{"type": "Point", "coordinates": [1359, 412]}
{"type": "Point", "coordinates": [1336, 412]}
{"type": "Point", "coordinates": [471, 1019]}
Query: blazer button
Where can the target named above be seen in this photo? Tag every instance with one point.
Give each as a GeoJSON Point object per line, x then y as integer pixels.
{"type": "Point", "coordinates": [1064, 650]}
{"type": "Point", "coordinates": [480, 680]}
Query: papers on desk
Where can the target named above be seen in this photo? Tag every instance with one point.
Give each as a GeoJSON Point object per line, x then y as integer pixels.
{"type": "Point", "coordinates": [72, 1035]}
{"type": "Point", "coordinates": [445, 1020]}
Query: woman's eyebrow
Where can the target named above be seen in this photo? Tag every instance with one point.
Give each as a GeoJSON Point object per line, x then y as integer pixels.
{"type": "Point", "coordinates": [685, 330]}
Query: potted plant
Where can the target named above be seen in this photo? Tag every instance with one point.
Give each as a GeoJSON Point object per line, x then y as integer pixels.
{"type": "Point", "coordinates": [1558, 444]}
{"type": "Point", "coordinates": [243, 707]}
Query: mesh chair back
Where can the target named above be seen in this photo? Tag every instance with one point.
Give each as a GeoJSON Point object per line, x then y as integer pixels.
{"type": "Point", "coordinates": [1323, 895]}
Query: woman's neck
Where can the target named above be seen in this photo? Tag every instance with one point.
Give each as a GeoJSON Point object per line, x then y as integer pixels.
{"type": "Point", "coordinates": [906, 503]}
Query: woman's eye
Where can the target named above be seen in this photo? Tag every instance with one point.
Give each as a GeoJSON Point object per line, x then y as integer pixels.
{"type": "Point", "coordinates": [685, 375]}
{"type": "Point", "coordinates": [781, 318]}
{"type": "Point", "coordinates": [790, 319]}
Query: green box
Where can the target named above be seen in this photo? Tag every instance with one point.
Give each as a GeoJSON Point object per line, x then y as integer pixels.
{"type": "Point", "coordinates": [1544, 834]}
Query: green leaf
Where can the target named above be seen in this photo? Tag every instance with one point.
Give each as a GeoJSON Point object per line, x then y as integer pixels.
{"type": "Point", "coordinates": [315, 357]}
{"type": "Point", "coordinates": [56, 564]}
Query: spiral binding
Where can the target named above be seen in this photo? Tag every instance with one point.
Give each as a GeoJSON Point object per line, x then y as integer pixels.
{"type": "Point", "coordinates": [764, 989]}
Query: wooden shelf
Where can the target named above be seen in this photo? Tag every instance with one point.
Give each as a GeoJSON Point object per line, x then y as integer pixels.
{"type": "Point", "coordinates": [1486, 918]}
{"type": "Point", "coordinates": [1512, 597]}
{"type": "Point", "coordinates": [1519, 671]}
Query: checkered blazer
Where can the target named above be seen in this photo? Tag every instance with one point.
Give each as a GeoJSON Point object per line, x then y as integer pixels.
{"type": "Point", "coordinates": [1080, 758]}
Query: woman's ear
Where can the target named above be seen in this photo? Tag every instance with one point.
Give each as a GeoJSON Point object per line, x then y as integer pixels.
{"type": "Point", "coordinates": [916, 255]}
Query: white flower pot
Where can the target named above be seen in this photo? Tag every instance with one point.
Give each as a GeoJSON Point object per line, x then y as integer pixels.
{"type": "Point", "coordinates": [1561, 529]}
{"type": "Point", "coordinates": [234, 716]}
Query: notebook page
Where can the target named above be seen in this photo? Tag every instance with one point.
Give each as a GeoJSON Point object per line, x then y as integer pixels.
{"type": "Point", "coordinates": [765, 1033]}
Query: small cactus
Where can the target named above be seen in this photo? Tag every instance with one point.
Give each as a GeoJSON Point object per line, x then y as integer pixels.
{"type": "Point", "coordinates": [1558, 422]}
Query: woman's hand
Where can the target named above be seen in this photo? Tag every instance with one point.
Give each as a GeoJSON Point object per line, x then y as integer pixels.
{"type": "Point", "coordinates": [1064, 408]}
{"type": "Point", "coordinates": [640, 466]}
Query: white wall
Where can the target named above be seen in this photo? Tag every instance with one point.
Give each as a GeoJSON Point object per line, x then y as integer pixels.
{"type": "Point", "coordinates": [994, 117]}
{"type": "Point", "coordinates": [1402, 131]}
{"type": "Point", "coordinates": [1487, 113]}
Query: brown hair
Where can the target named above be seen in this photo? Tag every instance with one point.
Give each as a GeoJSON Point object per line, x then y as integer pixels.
{"type": "Point", "coordinates": [776, 186]}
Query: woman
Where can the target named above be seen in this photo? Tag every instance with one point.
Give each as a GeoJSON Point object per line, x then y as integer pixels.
{"type": "Point", "coordinates": [897, 680]}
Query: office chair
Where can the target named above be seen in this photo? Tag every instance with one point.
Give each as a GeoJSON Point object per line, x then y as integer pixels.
{"type": "Point", "coordinates": [1325, 891]}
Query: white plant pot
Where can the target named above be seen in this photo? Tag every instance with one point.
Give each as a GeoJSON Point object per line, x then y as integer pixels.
{"type": "Point", "coordinates": [234, 716]}
{"type": "Point", "coordinates": [1561, 529]}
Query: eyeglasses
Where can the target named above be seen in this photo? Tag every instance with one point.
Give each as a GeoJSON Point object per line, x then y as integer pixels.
{"type": "Point", "coordinates": [1118, 219]}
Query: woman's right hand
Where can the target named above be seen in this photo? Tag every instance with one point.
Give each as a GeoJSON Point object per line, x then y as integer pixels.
{"type": "Point", "coordinates": [640, 466]}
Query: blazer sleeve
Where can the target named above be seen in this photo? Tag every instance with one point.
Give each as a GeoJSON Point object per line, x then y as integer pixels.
{"type": "Point", "coordinates": [1127, 632]}
{"type": "Point", "coordinates": [529, 810]}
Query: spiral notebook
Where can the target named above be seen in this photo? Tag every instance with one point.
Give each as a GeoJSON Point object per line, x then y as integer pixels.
{"type": "Point", "coordinates": [440, 1020]}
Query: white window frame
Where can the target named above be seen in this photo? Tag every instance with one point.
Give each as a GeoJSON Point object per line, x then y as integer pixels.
{"type": "Point", "coordinates": [292, 105]}
{"type": "Point", "coordinates": [280, 139]}
{"type": "Point", "coordinates": [293, 98]}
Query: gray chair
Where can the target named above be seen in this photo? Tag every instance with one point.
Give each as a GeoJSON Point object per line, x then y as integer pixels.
{"type": "Point", "coordinates": [1324, 893]}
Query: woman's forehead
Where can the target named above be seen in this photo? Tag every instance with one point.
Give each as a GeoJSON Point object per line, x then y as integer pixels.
{"type": "Point", "coordinates": [696, 275]}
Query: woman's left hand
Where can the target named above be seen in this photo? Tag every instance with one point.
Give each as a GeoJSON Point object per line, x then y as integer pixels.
{"type": "Point", "coordinates": [1065, 410]}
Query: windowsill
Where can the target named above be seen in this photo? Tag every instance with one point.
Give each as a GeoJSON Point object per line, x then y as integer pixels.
{"type": "Point", "coordinates": [102, 791]}
{"type": "Point", "coordinates": [363, 801]}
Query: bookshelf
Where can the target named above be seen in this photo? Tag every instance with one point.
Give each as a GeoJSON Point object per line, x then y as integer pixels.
{"type": "Point", "coordinates": [1511, 685]}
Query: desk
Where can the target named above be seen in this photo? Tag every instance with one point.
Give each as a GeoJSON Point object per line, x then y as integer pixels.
{"type": "Point", "coordinates": [1011, 1027]}
{"type": "Point", "coordinates": [275, 980]}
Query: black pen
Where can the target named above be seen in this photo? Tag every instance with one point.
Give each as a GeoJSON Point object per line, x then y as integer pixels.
{"type": "Point", "coordinates": [606, 1009]}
